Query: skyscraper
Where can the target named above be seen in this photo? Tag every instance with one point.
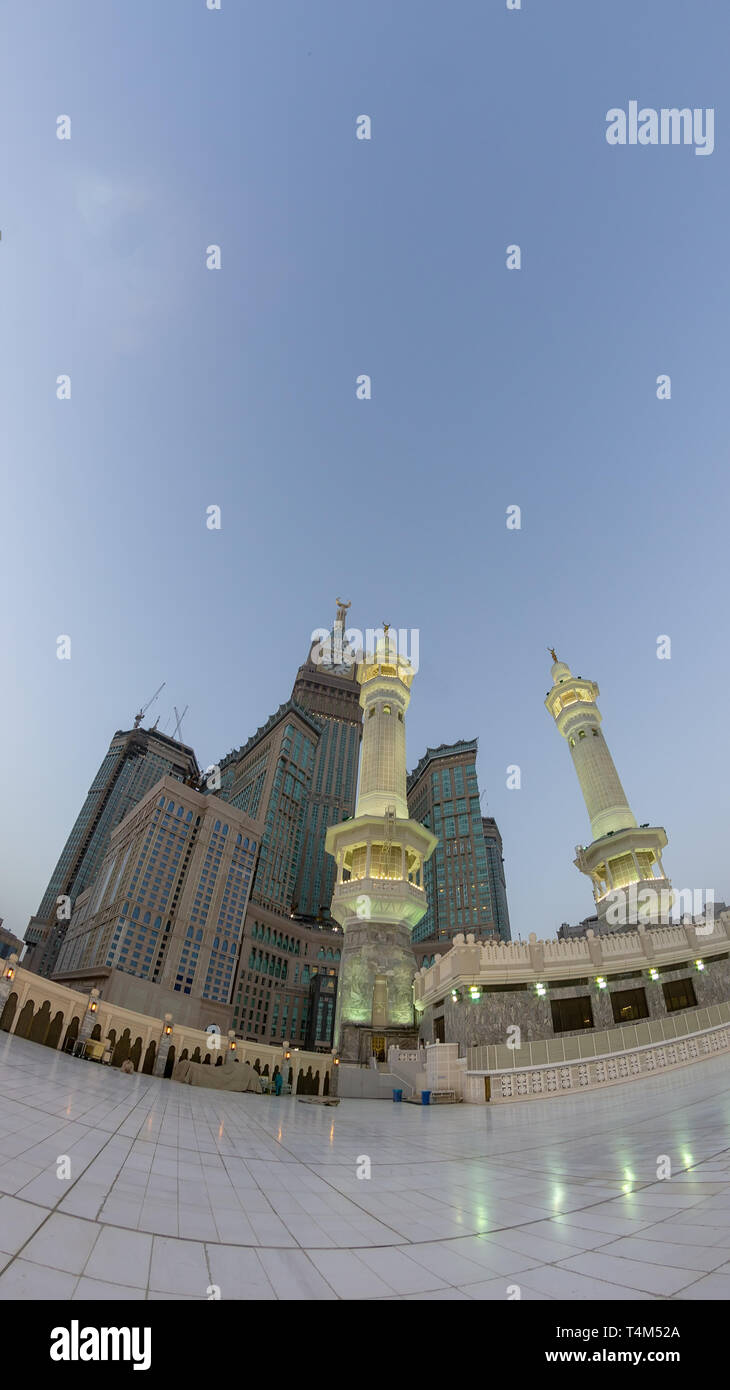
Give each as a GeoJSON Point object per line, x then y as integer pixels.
{"type": "Point", "coordinates": [625, 859]}
{"type": "Point", "coordinates": [270, 778]}
{"type": "Point", "coordinates": [168, 904]}
{"type": "Point", "coordinates": [136, 760]}
{"type": "Point", "coordinates": [327, 686]}
{"type": "Point", "coordinates": [497, 881]}
{"type": "Point", "coordinates": [464, 878]}
{"type": "Point", "coordinates": [379, 895]}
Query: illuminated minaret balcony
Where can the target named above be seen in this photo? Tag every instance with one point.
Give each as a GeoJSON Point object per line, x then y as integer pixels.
{"type": "Point", "coordinates": [624, 859]}
{"type": "Point", "coordinates": [379, 893]}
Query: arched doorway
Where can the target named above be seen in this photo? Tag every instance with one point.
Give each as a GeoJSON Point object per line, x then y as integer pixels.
{"type": "Point", "coordinates": [25, 1019]}
{"type": "Point", "coordinates": [148, 1064]}
{"type": "Point", "coordinates": [170, 1063]}
{"type": "Point", "coordinates": [135, 1053]}
{"type": "Point", "coordinates": [41, 1023]}
{"type": "Point", "coordinates": [54, 1032]}
{"type": "Point", "coordinates": [71, 1035]}
{"type": "Point", "coordinates": [326, 1087]}
{"type": "Point", "coordinates": [196, 1055]}
{"type": "Point", "coordinates": [8, 1013]}
{"type": "Point", "coordinates": [121, 1049]}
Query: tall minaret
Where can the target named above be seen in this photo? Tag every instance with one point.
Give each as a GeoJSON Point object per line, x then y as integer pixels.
{"type": "Point", "coordinates": [379, 895]}
{"type": "Point", "coordinates": [624, 860]}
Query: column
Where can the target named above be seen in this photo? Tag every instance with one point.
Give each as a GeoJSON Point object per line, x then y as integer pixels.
{"type": "Point", "coordinates": [7, 977]}
{"type": "Point", "coordinates": [90, 1018]}
{"type": "Point", "coordinates": [163, 1046]}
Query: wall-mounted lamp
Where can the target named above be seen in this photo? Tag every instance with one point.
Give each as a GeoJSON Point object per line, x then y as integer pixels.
{"type": "Point", "coordinates": [10, 973]}
{"type": "Point", "coordinates": [540, 990]}
{"type": "Point", "coordinates": [93, 1006]}
{"type": "Point", "coordinates": [168, 1029]}
{"type": "Point", "coordinates": [699, 965]}
{"type": "Point", "coordinates": [653, 974]}
{"type": "Point", "coordinates": [601, 981]}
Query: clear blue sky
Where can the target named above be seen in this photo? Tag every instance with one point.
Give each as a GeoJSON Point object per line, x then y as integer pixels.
{"type": "Point", "coordinates": [193, 387]}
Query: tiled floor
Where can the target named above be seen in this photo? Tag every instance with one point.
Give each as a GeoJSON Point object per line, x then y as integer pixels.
{"type": "Point", "coordinates": [129, 1187]}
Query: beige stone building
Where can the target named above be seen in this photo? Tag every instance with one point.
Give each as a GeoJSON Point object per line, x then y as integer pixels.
{"type": "Point", "coordinates": [169, 903]}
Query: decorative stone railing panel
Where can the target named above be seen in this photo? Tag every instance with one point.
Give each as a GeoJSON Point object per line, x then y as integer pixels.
{"type": "Point", "coordinates": [541, 1082]}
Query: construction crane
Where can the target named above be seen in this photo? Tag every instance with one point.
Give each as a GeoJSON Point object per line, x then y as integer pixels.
{"type": "Point", "coordinates": [140, 716]}
{"type": "Point", "coordinates": [179, 718]}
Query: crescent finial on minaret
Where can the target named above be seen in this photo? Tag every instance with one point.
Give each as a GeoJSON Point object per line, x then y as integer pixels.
{"type": "Point", "coordinates": [552, 653]}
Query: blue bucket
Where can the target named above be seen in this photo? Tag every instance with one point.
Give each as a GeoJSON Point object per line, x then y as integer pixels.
{"type": "Point", "coordinates": [425, 1097]}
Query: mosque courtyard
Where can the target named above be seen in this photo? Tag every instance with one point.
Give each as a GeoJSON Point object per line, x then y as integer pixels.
{"type": "Point", "coordinates": [121, 1186]}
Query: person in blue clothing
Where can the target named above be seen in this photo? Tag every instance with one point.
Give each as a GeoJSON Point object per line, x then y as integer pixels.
{"type": "Point", "coordinates": [278, 1083]}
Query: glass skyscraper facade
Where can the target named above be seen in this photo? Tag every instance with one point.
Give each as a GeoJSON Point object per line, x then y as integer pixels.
{"type": "Point", "coordinates": [331, 693]}
{"type": "Point", "coordinates": [464, 882]}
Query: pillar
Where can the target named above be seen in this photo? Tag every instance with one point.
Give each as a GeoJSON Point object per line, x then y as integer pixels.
{"type": "Point", "coordinates": [90, 1018]}
{"type": "Point", "coordinates": [163, 1047]}
{"type": "Point", "coordinates": [7, 978]}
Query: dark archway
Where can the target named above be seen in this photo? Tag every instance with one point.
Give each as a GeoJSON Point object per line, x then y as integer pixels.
{"type": "Point", "coordinates": [315, 1084]}
{"type": "Point", "coordinates": [326, 1087]}
{"type": "Point", "coordinates": [72, 1033]}
{"type": "Point", "coordinates": [291, 1076]}
{"type": "Point", "coordinates": [25, 1019]}
{"type": "Point", "coordinates": [95, 1033]}
{"type": "Point", "coordinates": [148, 1064]}
{"type": "Point", "coordinates": [219, 1061]}
{"type": "Point", "coordinates": [170, 1063]}
{"type": "Point", "coordinates": [111, 1037]}
{"type": "Point", "coordinates": [121, 1049]}
{"type": "Point", "coordinates": [54, 1032]}
{"type": "Point", "coordinates": [257, 1065]}
{"type": "Point", "coordinates": [265, 1071]}
{"type": "Point", "coordinates": [184, 1055]}
{"type": "Point", "coordinates": [8, 1013]}
{"type": "Point", "coordinates": [196, 1055]}
{"type": "Point", "coordinates": [206, 1060]}
{"type": "Point", "coordinates": [135, 1053]}
{"type": "Point", "coordinates": [300, 1084]}
{"type": "Point", "coordinates": [41, 1023]}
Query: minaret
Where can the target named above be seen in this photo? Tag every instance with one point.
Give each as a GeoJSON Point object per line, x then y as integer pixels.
{"type": "Point", "coordinates": [624, 860]}
{"type": "Point", "coordinates": [379, 895]}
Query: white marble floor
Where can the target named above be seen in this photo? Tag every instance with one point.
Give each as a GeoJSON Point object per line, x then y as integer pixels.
{"type": "Point", "coordinates": [129, 1187]}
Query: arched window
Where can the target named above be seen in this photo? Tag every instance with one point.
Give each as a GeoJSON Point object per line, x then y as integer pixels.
{"type": "Point", "coordinates": [199, 934]}
{"type": "Point", "coordinates": [171, 805]}
{"type": "Point", "coordinates": [387, 709]}
{"type": "Point", "coordinates": [189, 816]}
